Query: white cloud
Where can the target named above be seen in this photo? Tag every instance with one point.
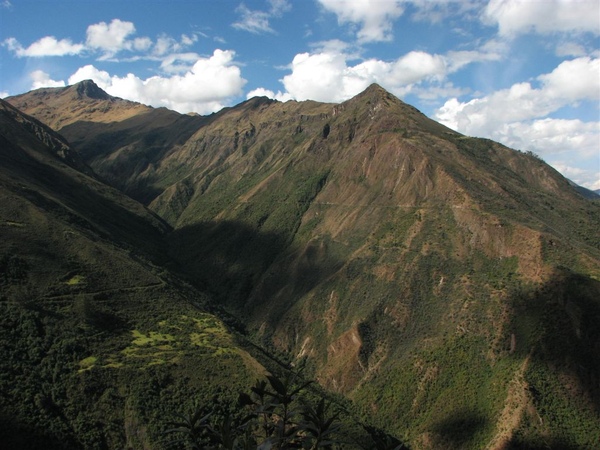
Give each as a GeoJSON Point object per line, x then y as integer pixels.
{"type": "Point", "coordinates": [42, 79]}
{"type": "Point", "coordinates": [46, 46]}
{"type": "Point", "coordinates": [188, 40]}
{"type": "Point", "coordinates": [435, 11]}
{"type": "Point", "coordinates": [89, 72]}
{"type": "Point", "coordinates": [570, 49]}
{"type": "Point", "coordinates": [110, 38]}
{"type": "Point", "coordinates": [4, 94]}
{"type": "Point", "coordinates": [207, 87]}
{"type": "Point", "coordinates": [588, 178]}
{"type": "Point", "coordinates": [252, 21]}
{"type": "Point", "coordinates": [375, 17]}
{"type": "Point", "coordinates": [520, 116]}
{"type": "Point", "coordinates": [570, 82]}
{"type": "Point", "coordinates": [107, 39]}
{"type": "Point", "coordinates": [279, 7]}
{"type": "Point", "coordinates": [574, 80]}
{"type": "Point", "coordinates": [430, 93]}
{"type": "Point", "coordinates": [178, 62]}
{"type": "Point", "coordinates": [554, 136]}
{"type": "Point", "coordinates": [456, 60]}
{"type": "Point", "coordinates": [167, 45]}
{"type": "Point", "coordinates": [142, 44]}
{"type": "Point", "coordinates": [262, 92]}
{"type": "Point", "coordinates": [256, 21]}
{"type": "Point", "coordinates": [327, 74]}
{"type": "Point", "coordinates": [515, 17]}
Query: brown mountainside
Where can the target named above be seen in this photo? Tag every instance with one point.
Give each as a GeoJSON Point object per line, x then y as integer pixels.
{"type": "Point", "coordinates": [118, 138]}
{"type": "Point", "coordinates": [85, 101]}
{"type": "Point", "coordinates": [96, 337]}
{"type": "Point", "coordinates": [445, 283]}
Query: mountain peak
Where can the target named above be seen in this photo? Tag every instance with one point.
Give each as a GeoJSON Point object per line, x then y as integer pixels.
{"type": "Point", "coordinates": [375, 88]}
{"type": "Point", "coordinates": [374, 94]}
{"type": "Point", "coordinates": [87, 88]}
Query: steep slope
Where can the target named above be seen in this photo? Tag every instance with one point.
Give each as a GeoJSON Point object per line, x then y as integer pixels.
{"type": "Point", "coordinates": [99, 346]}
{"type": "Point", "coordinates": [448, 284]}
{"type": "Point", "coordinates": [414, 267]}
{"type": "Point", "coordinates": [84, 101]}
{"type": "Point", "coordinates": [121, 140]}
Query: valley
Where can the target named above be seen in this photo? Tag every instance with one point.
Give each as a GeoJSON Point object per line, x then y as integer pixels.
{"type": "Point", "coordinates": [444, 288]}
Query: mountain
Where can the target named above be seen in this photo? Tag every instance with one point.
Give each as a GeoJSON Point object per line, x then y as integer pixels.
{"type": "Point", "coordinates": [99, 345]}
{"type": "Point", "coordinates": [448, 285]}
{"type": "Point", "coordinates": [587, 193]}
{"type": "Point", "coordinates": [118, 138]}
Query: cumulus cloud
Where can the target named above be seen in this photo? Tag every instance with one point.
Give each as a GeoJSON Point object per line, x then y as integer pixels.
{"type": "Point", "coordinates": [553, 138]}
{"type": "Point", "coordinates": [328, 75]}
{"type": "Point", "coordinates": [514, 17]}
{"type": "Point", "coordinates": [571, 81]}
{"type": "Point", "coordinates": [46, 46]}
{"type": "Point", "coordinates": [375, 17]}
{"type": "Point", "coordinates": [110, 38]}
{"type": "Point", "coordinates": [205, 88]}
{"type": "Point", "coordinates": [262, 92]}
{"type": "Point", "coordinates": [588, 178]}
{"type": "Point", "coordinates": [42, 79]}
{"type": "Point", "coordinates": [519, 116]}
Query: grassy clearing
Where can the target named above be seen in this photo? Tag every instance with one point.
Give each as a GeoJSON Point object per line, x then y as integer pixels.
{"type": "Point", "coordinates": [75, 280]}
{"type": "Point", "coordinates": [153, 338]}
{"type": "Point", "coordinates": [87, 363]}
{"type": "Point", "coordinates": [173, 339]}
{"type": "Point", "coordinates": [10, 223]}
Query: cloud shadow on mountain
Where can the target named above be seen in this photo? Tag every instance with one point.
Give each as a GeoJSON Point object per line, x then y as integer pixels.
{"type": "Point", "coordinates": [231, 260]}
{"type": "Point", "coordinates": [460, 429]}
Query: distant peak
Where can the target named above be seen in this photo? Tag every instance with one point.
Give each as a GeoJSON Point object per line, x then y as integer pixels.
{"type": "Point", "coordinates": [375, 88]}
{"type": "Point", "coordinates": [87, 88]}
{"type": "Point", "coordinates": [256, 102]}
{"type": "Point", "coordinates": [374, 94]}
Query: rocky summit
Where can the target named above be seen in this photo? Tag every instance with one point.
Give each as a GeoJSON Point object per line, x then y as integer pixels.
{"type": "Point", "coordinates": [447, 288]}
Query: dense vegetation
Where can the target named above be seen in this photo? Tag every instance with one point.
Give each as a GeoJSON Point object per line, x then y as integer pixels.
{"type": "Point", "coordinates": [443, 289]}
{"type": "Point", "coordinates": [277, 413]}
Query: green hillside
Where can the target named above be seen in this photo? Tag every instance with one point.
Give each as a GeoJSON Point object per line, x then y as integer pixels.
{"type": "Point", "coordinates": [448, 285]}
{"type": "Point", "coordinates": [99, 346]}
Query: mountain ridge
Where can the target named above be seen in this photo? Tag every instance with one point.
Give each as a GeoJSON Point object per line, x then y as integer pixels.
{"type": "Point", "coordinates": [94, 329]}
{"type": "Point", "coordinates": [418, 271]}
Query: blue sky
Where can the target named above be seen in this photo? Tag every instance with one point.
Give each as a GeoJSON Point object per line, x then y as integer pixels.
{"type": "Point", "coordinates": [525, 73]}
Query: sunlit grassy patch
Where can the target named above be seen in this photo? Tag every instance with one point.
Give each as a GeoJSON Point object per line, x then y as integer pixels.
{"type": "Point", "coordinates": [87, 363]}
{"type": "Point", "coordinates": [11, 223]}
{"type": "Point", "coordinates": [113, 365]}
{"type": "Point", "coordinates": [153, 338]}
{"type": "Point", "coordinates": [201, 335]}
{"type": "Point", "coordinates": [75, 280]}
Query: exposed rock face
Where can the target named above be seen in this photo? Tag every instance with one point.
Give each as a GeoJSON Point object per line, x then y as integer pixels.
{"type": "Point", "coordinates": [413, 266]}
{"type": "Point", "coordinates": [89, 89]}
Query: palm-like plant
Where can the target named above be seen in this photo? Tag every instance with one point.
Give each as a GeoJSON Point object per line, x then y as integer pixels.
{"type": "Point", "coordinates": [272, 416]}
